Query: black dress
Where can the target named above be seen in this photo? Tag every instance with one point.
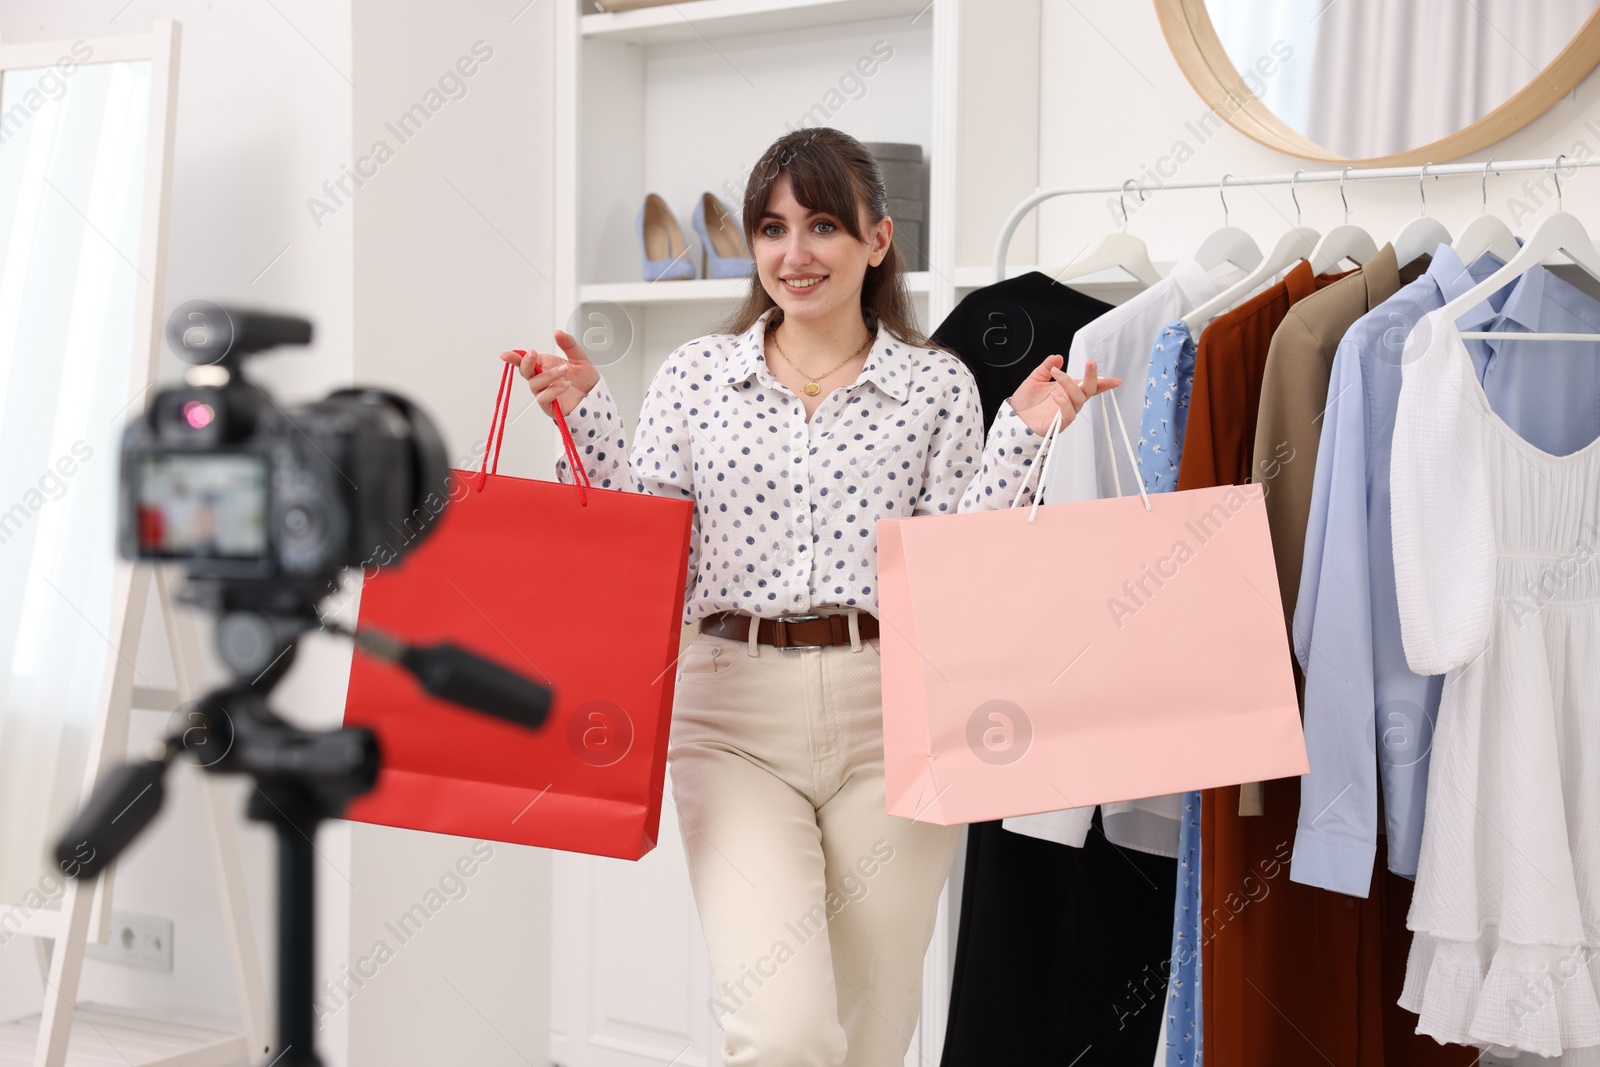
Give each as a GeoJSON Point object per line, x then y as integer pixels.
{"type": "Point", "coordinates": [1062, 954]}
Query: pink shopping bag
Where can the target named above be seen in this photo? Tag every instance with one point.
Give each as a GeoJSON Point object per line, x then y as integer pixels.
{"type": "Point", "coordinates": [1081, 653]}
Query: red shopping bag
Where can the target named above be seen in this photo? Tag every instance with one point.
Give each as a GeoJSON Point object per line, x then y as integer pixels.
{"type": "Point", "coordinates": [604, 638]}
{"type": "Point", "coordinates": [1131, 647]}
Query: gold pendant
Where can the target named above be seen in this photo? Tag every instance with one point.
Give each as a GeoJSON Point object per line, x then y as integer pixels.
{"type": "Point", "coordinates": [812, 389]}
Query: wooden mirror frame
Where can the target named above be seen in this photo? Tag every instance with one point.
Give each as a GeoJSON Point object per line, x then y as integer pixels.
{"type": "Point", "coordinates": [1199, 52]}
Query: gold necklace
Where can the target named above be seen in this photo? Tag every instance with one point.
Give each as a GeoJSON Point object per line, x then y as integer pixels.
{"type": "Point", "coordinates": [811, 386]}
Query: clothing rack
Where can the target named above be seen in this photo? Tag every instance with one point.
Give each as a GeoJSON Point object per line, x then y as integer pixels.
{"type": "Point", "coordinates": [1354, 174]}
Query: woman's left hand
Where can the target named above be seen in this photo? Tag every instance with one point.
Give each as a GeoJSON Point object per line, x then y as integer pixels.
{"type": "Point", "coordinates": [1049, 389]}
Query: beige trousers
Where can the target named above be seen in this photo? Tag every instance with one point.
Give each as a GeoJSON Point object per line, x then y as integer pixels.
{"type": "Point", "coordinates": [817, 906]}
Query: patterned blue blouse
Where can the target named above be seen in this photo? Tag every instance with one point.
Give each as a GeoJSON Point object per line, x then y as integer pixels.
{"type": "Point", "coordinates": [1166, 414]}
{"type": "Point", "coordinates": [1166, 407]}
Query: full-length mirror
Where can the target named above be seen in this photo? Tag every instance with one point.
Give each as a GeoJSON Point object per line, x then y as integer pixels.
{"type": "Point", "coordinates": [1390, 81]}
{"type": "Point", "coordinates": [72, 172]}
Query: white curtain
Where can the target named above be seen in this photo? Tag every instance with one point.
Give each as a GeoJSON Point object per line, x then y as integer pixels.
{"type": "Point", "coordinates": [1390, 75]}
{"type": "Point", "coordinates": [1257, 35]}
{"type": "Point", "coordinates": [71, 184]}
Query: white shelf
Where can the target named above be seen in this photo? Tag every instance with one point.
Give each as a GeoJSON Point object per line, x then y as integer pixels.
{"type": "Point", "coordinates": [978, 277]}
{"type": "Point", "coordinates": [1111, 285]}
{"type": "Point", "coordinates": [699, 20]}
{"type": "Point", "coordinates": [693, 290]}
{"type": "Point", "coordinates": [117, 1036]}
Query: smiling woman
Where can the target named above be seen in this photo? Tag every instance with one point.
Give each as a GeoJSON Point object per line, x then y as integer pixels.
{"type": "Point", "coordinates": [816, 410]}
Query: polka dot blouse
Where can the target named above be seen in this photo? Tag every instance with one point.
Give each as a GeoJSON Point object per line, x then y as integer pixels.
{"type": "Point", "coordinates": [786, 510]}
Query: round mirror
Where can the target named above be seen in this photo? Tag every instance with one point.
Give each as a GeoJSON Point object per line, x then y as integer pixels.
{"type": "Point", "coordinates": [1381, 82]}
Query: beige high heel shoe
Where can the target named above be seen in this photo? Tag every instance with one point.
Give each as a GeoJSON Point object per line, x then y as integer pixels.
{"type": "Point", "coordinates": [661, 243]}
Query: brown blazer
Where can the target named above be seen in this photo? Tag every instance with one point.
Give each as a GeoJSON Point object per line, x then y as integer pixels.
{"type": "Point", "coordinates": [1291, 974]}
{"type": "Point", "coordinates": [1219, 442]}
{"type": "Point", "coordinates": [1230, 357]}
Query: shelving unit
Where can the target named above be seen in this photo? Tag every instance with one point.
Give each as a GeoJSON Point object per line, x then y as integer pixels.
{"type": "Point", "coordinates": [712, 19]}
{"type": "Point", "coordinates": [715, 291]}
{"type": "Point", "coordinates": [682, 99]}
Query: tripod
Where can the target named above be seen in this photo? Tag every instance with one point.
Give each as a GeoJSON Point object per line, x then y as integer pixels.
{"type": "Point", "coordinates": [302, 777]}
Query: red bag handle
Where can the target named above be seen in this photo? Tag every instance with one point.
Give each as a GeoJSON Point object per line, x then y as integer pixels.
{"type": "Point", "coordinates": [497, 431]}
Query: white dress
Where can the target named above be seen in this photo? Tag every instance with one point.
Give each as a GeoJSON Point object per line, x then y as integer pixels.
{"type": "Point", "coordinates": [1497, 567]}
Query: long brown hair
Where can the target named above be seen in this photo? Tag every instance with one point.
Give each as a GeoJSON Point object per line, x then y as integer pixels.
{"type": "Point", "coordinates": [830, 171]}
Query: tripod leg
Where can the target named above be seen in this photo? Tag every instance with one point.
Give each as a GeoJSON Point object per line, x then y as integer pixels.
{"type": "Point", "coordinates": [296, 941]}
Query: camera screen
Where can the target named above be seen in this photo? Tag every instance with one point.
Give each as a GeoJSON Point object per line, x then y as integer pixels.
{"type": "Point", "coordinates": [208, 505]}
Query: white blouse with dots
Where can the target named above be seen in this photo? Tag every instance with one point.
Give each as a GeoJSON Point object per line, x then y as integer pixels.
{"type": "Point", "coordinates": [786, 509]}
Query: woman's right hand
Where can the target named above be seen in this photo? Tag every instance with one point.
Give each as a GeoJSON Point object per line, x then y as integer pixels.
{"type": "Point", "coordinates": [553, 379]}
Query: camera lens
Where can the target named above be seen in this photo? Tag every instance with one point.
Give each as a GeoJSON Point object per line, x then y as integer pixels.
{"type": "Point", "coordinates": [308, 540]}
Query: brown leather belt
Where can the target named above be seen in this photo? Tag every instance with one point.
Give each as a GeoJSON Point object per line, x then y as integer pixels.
{"type": "Point", "coordinates": [790, 632]}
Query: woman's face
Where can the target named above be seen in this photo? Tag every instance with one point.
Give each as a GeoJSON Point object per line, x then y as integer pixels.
{"type": "Point", "coordinates": [808, 262]}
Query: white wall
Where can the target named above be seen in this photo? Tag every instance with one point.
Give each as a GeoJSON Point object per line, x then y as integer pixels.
{"type": "Point", "coordinates": [412, 286]}
{"type": "Point", "coordinates": [1113, 102]}
{"type": "Point", "coordinates": [453, 252]}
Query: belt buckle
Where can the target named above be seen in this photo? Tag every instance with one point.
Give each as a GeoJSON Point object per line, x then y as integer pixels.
{"type": "Point", "coordinates": [796, 618]}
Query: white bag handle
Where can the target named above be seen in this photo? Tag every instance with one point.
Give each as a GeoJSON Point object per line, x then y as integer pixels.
{"type": "Point", "coordinates": [1133, 459]}
{"type": "Point", "coordinates": [1047, 453]}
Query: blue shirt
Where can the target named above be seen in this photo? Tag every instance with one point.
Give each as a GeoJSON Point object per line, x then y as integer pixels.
{"type": "Point", "coordinates": [1160, 450]}
{"type": "Point", "coordinates": [1166, 407]}
{"type": "Point", "coordinates": [1367, 716]}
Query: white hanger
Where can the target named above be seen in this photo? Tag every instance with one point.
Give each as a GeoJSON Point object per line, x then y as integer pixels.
{"type": "Point", "coordinates": [1229, 244]}
{"type": "Point", "coordinates": [1560, 232]}
{"type": "Point", "coordinates": [1422, 235]}
{"type": "Point", "coordinates": [1486, 233]}
{"type": "Point", "coordinates": [1120, 249]}
{"type": "Point", "coordinates": [1290, 249]}
{"type": "Point", "coordinates": [1342, 242]}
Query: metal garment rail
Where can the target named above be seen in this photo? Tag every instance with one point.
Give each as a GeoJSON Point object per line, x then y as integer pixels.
{"type": "Point", "coordinates": [1354, 174]}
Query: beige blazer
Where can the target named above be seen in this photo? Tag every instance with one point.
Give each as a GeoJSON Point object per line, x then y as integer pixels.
{"type": "Point", "coordinates": [1294, 394]}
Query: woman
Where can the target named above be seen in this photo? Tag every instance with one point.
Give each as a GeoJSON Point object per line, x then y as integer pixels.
{"type": "Point", "coordinates": [817, 410]}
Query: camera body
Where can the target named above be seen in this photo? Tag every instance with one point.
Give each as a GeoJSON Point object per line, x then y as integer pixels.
{"type": "Point", "coordinates": [266, 505]}
{"type": "Point", "coordinates": [222, 479]}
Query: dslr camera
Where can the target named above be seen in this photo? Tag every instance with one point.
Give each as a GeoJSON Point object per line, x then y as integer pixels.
{"type": "Point", "coordinates": [265, 506]}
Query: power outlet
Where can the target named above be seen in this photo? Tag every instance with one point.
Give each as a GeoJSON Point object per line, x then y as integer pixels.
{"type": "Point", "coordinates": [143, 941]}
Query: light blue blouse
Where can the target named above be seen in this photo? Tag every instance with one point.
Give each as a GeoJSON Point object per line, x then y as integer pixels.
{"type": "Point", "coordinates": [1367, 716]}
{"type": "Point", "coordinates": [1166, 407]}
{"type": "Point", "coordinates": [1160, 448]}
